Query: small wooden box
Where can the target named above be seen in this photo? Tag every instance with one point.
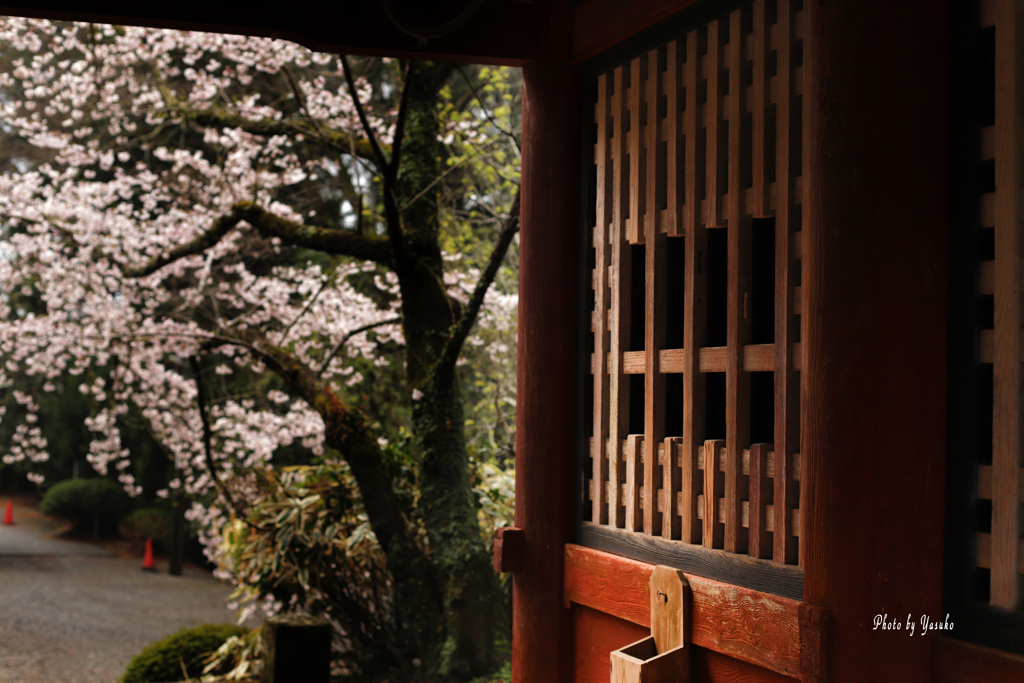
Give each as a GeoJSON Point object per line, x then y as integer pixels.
{"type": "Point", "coordinates": [640, 662]}
{"type": "Point", "coordinates": [664, 656]}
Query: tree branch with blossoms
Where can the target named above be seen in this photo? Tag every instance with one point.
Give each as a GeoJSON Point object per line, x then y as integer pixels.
{"type": "Point", "coordinates": [337, 242]}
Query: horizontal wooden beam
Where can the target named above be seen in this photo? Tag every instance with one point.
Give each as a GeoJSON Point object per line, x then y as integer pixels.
{"type": "Point", "coordinates": [765, 576]}
{"type": "Point", "coordinates": [756, 358]}
{"type": "Point", "coordinates": [954, 661]}
{"type": "Point", "coordinates": [354, 28]}
{"type": "Point", "coordinates": [986, 346]}
{"type": "Point", "coordinates": [600, 24]}
{"type": "Point", "coordinates": [985, 552]}
{"type": "Point", "coordinates": [985, 482]}
{"type": "Point", "coordinates": [746, 624]}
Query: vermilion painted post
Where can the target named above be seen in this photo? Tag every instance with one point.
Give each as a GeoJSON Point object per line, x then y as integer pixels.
{"type": "Point", "coordinates": [875, 247]}
{"type": "Point", "coordinates": [542, 640]}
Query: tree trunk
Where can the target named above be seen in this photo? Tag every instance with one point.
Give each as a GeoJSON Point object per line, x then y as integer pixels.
{"type": "Point", "coordinates": [448, 508]}
{"type": "Point", "coordinates": [176, 551]}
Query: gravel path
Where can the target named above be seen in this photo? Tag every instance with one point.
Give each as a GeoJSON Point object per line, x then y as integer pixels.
{"type": "Point", "coordinates": [77, 614]}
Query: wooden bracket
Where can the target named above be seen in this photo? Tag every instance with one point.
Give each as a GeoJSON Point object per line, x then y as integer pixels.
{"type": "Point", "coordinates": [664, 656]}
{"type": "Point", "coordinates": [509, 549]}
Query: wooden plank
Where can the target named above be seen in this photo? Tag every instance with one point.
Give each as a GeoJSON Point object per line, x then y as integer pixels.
{"type": "Point", "coordinates": [599, 451]}
{"type": "Point", "coordinates": [655, 312]}
{"type": "Point", "coordinates": [759, 106]}
{"type": "Point", "coordinates": [597, 635]}
{"type": "Point", "coordinates": [954, 661]}
{"type": "Point", "coordinates": [600, 24]}
{"type": "Point", "coordinates": [988, 210]}
{"type": "Point", "coordinates": [672, 129]}
{"type": "Point", "coordinates": [694, 299]}
{"type": "Point", "coordinates": [1006, 412]}
{"type": "Point", "coordinates": [715, 139]}
{"type": "Point", "coordinates": [714, 488]}
{"type": "Point", "coordinates": [985, 482]}
{"type": "Point", "coordinates": [760, 544]}
{"type": "Point", "coordinates": [509, 549]}
{"type": "Point", "coordinates": [750, 625]}
{"type": "Point", "coordinates": [787, 264]}
{"type": "Point", "coordinates": [619, 311]}
{"type": "Point", "coordinates": [634, 461]}
{"type": "Point", "coordinates": [713, 359]}
{"type": "Point", "coordinates": [739, 239]}
{"type": "Point", "coordinates": [984, 549]}
{"type": "Point", "coordinates": [671, 487]}
{"type": "Point", "coordinates": [637, 152]}
{"type": "Point", "coordinates": [756, 358]}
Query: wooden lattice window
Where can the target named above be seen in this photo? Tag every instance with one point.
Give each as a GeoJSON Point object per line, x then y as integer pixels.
{"type": "Point", "coordinates": [695, 432]}
{"type": "Point", "coordinates": [985, 479]}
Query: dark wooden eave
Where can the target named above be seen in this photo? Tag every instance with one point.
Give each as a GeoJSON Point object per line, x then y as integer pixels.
{"type": "Point", "coordinates": [497, 32]}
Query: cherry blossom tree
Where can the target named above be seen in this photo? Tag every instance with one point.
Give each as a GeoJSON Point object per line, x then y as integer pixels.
{"type": "Point", "coordinates": [216, 232]}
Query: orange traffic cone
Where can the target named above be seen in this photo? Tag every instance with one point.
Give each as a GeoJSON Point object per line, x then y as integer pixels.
{"type": "Point", "coordinates": [9, 514]}
{"type": "Point", "coordinates": [148, 565]}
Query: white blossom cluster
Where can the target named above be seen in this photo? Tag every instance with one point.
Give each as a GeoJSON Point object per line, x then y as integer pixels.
{"type": "Point", "coordinates": [71, 226]}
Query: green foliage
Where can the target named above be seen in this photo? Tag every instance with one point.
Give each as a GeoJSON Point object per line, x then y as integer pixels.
{"type": "Point", "coordinates": [502, 675]}
{"type": "Point", "coordinates": [83, 500]}
{"type": "Point", "coordinates": [154, 523]}
{"type": "Point", "coordinates": [179, 656]}
{"type": "Point", "coordinates": [307, 544]}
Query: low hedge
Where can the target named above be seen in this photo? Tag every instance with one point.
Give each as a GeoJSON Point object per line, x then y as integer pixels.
{"type": "Point", "coordinates": [163, 660]}
{"type": "Point", "coordinates": [154, 523]}
{"type": "Point", "coordinates": [83, 500]}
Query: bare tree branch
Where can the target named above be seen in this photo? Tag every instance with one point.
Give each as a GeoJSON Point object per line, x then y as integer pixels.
{"type": "Point", "coordinates": [378, 154]}
{"type": "Point", "coordinates": [309, 304]}
{"type": "Point", "coordinates": [197, 372]}
{"type": "Point", "coordinates": [392, 217]}
{"type": "Point", "coordinates": [458, 337]}
{"type": "Point", "coordinates": [403, 110]}
{"type": "Point", "coordinates": [349, 335]}
{"type": "Point", "coordinates": [339, 242]}
{"type": "Point", "coordinates": [487, 111]}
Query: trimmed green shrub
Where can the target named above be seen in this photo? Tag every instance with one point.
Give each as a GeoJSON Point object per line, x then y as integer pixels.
{"type": "Point", "coordinates": [163, 660]}
{"type": "Point", "coordinates": [154, 523]}
{"type": "Point", "coordinates": [83, 500]}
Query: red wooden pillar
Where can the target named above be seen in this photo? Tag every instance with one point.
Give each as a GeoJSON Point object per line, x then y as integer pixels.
{"type": "Point", "coordinates": [874, 328]}
{"type": "Point", "coordinates": [542, 632]}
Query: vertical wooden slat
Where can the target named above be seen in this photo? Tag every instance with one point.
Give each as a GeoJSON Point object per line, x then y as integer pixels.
{"type": "Point", "coordinates": [737, 381]}
{"type": "Point", "coordinates": [637, 158]}
{"type": "Point", "coordinates": [714, 127]}
{"type": "Point", "coordinates": [674, 189]}
{"type": "Point", "coordinates": [634, 461]}
{"type": "Point", "coordinates": [787, 423]}
{"type": "Point", "coordinates": [671, 527]}
{"type": "Point", "coordinates": [694, 298]}
{"type": "Point", "coordinates": [1006, 416]}
{"type": "Point", "coordinates": [654, 309]}
{"type": "Point", "coordinates": [760, 203]}
{"type": "Point", "coordinates": [760, 539]}
{"type": "Point", "coordinates": [599, 450]}
{"type": "Point", "coordinates": [713, 488]}
{"type": "Point", "coordinates": [621, 267]}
